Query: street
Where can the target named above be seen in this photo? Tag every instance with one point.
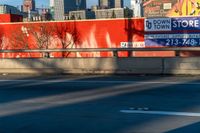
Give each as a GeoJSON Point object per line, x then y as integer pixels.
{"type": "Point", "coordinates": [99, 104]}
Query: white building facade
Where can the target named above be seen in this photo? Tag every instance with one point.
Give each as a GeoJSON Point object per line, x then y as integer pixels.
{"type": "Point", "coordinates": [135, 5]}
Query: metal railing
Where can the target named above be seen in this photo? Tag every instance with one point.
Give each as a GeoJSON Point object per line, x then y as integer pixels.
{"type": "Point", "coordinates": [113, 50]}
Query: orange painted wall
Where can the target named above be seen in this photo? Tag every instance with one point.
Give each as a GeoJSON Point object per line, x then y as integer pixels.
{"type": "Point", "coordinates": [6, 18]}
{"type": "Point", "coordinates": [87, 34]}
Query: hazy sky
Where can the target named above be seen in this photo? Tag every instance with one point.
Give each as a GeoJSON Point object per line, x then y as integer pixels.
{"type": "Point", "coordinates": [39, 3]}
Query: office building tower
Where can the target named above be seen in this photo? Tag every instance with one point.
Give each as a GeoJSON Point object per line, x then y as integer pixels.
{"type": "Point", "coordinates": [28, 5]}
{"type": "Point", "coordinates": [62, 7]}
{"type": "Point", "coordinates": [59, 10]}
{"type": "Point", "coordinates": [104, 4]}
{"type": "Point", "coordinates": [8, 9]}
{"type": "Point", "coordinates": [51, 2]}
{"type": "Point", "coordinates": [129, 3]}
{"type": "Point", "coordinates": [110, 4]}
{"type": "Point", "coordinates": [136, 6]}
{"type": "Point", "coordinates": [109, 13]}
{"type": "Point", "coordinates": [116, 3]}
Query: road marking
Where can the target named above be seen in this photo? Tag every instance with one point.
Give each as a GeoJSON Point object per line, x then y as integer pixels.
{"type": "Point", "coordinates": [161, 113]}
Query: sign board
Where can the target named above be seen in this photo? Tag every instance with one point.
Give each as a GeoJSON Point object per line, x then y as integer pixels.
{"type": "Point", "coordinates": [172, 24]}
{"type": "Point", "coordinates": [179, 32]}
{"type": "Point", "coordinates": [186, 23]}
{"type": "Point", "coordinates": [158, 24]}
{"type": "Point", "coordinates": [171, 8]}
{"type": "Point", "coordinates": [170, 40]}
{"type": "Point", "coordinates": [158, 8]}
{"type": "Point", "coordinates": [132, 44]}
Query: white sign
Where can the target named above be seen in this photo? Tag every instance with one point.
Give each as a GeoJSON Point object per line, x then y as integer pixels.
{"type": "Point", "coordinates": [186, 23]}
{"type": "Point", "coordinates": [158, 24]}
{"type": "Point", "coordinates": [167, 6]}
{"type": "Point", "coordinates": [132, 44]}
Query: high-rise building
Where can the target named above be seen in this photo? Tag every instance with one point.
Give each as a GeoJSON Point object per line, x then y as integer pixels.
{"type": "Point", "coordinates": [28, 5]}
{"type": "Point", "coordinates": [104, 4]}
{"type": "Point", "coordinates": [129, 3]}
{"type": "Point", "coordinates": [52, 8]}
{"type": "Point", "coordinates": [111, 3]}
{"type": "Point", "coordinates": [8, 9]}
{"type": "Point", "coordinates": [62, 7]}
{"type": "Point", "coordinates": [51, 3]}
{"type": "Point", "coordinates": [136, 6]}
{"type": "Point", "coordinates": [116, 3]}
{"type": "Point", "coordinates": [59, 11]}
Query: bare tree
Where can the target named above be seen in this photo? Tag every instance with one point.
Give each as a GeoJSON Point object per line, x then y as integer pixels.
{"type": "Point", "coordinates": [1, 41]}
{"type": "Point", "coordinates": [1, 38]}
{"type": "Point", "coordinates": [42, 34]}
{"type": "Point", "coordinates": [19, 38]}
{"type": "Point", "coordinates": [67, 35]}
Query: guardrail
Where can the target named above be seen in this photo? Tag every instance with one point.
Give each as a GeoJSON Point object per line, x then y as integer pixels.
{"type": "Point", "coordinates": [162, 65]}
{"type": "Point", "coordinates": [114, 50]}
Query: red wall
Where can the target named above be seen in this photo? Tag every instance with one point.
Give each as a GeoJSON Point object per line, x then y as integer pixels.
{"type": "Point", "coordinates": [16, 18]}
{"type": "Point", "coordinates": [86, 34]}
{"type": "Point", "coordinates": [5, 18]}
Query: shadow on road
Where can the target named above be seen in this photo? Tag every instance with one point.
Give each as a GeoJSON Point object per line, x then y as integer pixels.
{"type": "Point", "coordinates": [92, 103]}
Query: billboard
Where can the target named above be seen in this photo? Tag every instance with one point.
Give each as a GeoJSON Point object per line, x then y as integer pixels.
{"type": "Point", "coordinates": [169, 8]}
{"type": "Point", "coordinates": [178, 32]}
{"type": "Point", "coordinates": [158, 24]}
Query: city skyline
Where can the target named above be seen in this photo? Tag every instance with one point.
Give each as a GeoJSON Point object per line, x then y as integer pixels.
{"type": "Point", "coordinates": [40, 3]}
{"type": "Point", "coordinates": [45, 3]}
{"type": "Point", "coordinates": [16, 3]}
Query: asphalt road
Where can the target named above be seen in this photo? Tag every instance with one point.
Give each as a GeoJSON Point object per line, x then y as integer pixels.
{"type": "Point", "coordinates": [99, 104]}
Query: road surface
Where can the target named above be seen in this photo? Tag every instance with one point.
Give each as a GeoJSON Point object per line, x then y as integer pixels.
{"type": "Point", "coordinates": [99, 104]}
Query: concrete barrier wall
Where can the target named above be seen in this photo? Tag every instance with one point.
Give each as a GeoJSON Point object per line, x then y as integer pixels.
{"type": "Point", "coordinates": [182, 65]}
{"type": "Point", "coordinates": [102, 66]}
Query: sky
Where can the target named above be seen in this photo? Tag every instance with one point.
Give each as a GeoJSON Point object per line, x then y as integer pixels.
{"type": "Point", "coordinates": [39, 3]}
